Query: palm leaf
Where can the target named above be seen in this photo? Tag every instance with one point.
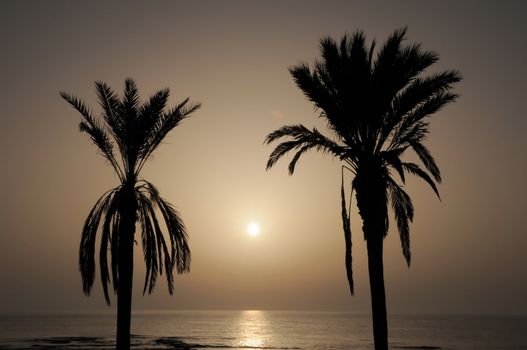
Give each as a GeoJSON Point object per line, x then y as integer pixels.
{"type": "Point", "coordinates": [404, 212]}
{"type": "Point", "coordinates": [131, 100]}
{"type": "Point", "coordinates": [150, 251]}
{"type": "Point", "coordinates": [393, 158]}
{"type": "Point", "coordinates": [164, 124]}
{"type": "Point", "coordinates": [149, 115]}
{"type": "Point", "coordinates": [315, 90]}
{"type": "Point", "coordinates": [179, 256]}
{"type": "Point", "coordinates": [110, 105]}
{"type": "Point", "coordinates": [87, 245]}
{"type": "Point", "coordinates": [426, 158]}
{"type": "Point", "coordinates": [110, 234]}
{"type": "Point", "coordinates": [96, 132]}
{"type": "Point", "coordinates": [427, 108]}
{"type": "Point", "coordinates": [346, 226]}
{"type": "Point", "coordinates": [415, 170]}
{"type": "Point", "coordinates": [421, 89]}
{"type": "Point", "coordinates": [386, 78]}
{"type": "Point", "coordinates": [303, 140]}
{"type": "Point", "coordinates": [418, 92]}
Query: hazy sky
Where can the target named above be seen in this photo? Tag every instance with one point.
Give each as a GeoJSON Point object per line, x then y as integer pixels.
{"type": "Point", "coordinates": [468, 250]}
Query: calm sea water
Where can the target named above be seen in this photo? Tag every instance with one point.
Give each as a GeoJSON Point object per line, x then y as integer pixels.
{"type": "Point", "coordinates": [236, 330]}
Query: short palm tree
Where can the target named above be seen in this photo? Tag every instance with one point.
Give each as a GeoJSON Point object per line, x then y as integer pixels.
{"type": "Point", "coordinates": [135, 130]}
{"type": "Point", "coordinates": [377, 107]}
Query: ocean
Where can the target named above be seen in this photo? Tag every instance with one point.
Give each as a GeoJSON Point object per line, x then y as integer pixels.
{"type": "Point", "coordinates": [237, 330]}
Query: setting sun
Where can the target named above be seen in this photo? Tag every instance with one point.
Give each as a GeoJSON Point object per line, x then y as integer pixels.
{"type": "Point", "coordinates": [253, 229]}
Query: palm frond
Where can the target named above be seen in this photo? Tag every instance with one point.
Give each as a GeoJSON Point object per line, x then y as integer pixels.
{"type": "Point", "coordinates": [412, 61]}
{"type": "Point", "coordinates": [179, 255]}
{"type": "Point", "coordinates": [131, 100]}
{"type": "Point", "coordinates": [150, 229]}
{"type": "Point", "coordinates": [346, 226]}
{"type": "Point", "coordinates": [331, 57]}
{"type": "Point", "coordinates": [294, 131]}
{"type": "Point", "coordinates": [151, 111]}
{"type": "Point", "coordinates": [338, 85]}
{"type": "Point", "coordinates": [404, 212]}
{"type": "Point", "coordinates": [78, 105]}
{"type": "Point", "coordinates": [396, 68]}
{"type": "Point", "coordinates": [389, 52]}
{"type": "Point", "coordinates": [156, 242]}
{"type": "Point", "coordinates": [164, 124]}
{"type": "Point", "coordinates": [96, 132]}
{"type": "Point", "coordinates": [405, 137]}
{"type": "Point", "coordinates": [110, 105]}
{"type": "Point", "coordinates": [418, 92]}
{"type": "Point", "coordinates": [426, 158]}
{"type": "Point", "coordinates": [296, 157]}
{"type": "Point", "coordinates": [421, 89]}
{"type": "Point", "coordinates": [281, 150]}
{"type": "Point", "coordinates": [386, 79]}
{"type": "Point", "coordinates": [112, 226]}
{"type": "Point", "coordinates": [393, 158]}
{"type": "Point", "coordinates": [109, 235]}
{"type": "Point", "coordinates": [303, 140]}
{"type": "Point", "coordinates": [430, 106]}
{"type": "Point", "coordinates": [417, 171]}
{"type": "Point", "coordinates": [315, 90]}
{"type": "Point", "coordinates": [88, 238]}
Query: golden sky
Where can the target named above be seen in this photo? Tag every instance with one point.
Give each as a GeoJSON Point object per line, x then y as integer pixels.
{"type": "Point", "coordinates": [468, 250]}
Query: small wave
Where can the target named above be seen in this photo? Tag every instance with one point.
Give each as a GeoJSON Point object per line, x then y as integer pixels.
{"type": "Point", "coordinates": [179, 344]}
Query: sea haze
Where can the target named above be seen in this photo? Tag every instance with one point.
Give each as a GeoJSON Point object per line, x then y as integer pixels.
{"type": "Point", "coordinates": [187, 330]}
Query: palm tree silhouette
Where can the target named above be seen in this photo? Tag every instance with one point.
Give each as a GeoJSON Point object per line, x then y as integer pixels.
{"type": "Point", "coordinates": [376, 109]}
{"type": "Point", "coordinates": [136, 130]}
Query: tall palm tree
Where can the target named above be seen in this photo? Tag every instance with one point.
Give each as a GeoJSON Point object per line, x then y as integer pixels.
{"type": "Point", "coordinates": [376, 107]}
{"type": "Point", "coordinates": [135, 129]}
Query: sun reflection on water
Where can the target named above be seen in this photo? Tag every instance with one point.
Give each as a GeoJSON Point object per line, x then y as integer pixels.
{"type": "Point", "coordinates": [251, 331]}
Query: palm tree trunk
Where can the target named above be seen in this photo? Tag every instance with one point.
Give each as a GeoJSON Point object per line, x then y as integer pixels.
{"type": "Point", "coordinates": [378, 297]}
{"type": "Point", "coordinates": [125, 269]}
{"type": "Point", "coordinates": [372, 204]}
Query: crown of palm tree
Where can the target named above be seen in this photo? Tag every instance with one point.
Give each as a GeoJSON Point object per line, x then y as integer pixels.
{"type": "Point", "coordinates": [376, 108]}
{"type": "Point", "coordinates": [135, 130]}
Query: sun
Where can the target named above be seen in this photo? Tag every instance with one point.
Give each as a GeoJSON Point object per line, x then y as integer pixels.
{"type": "Point", "coordinates": [253, 229]}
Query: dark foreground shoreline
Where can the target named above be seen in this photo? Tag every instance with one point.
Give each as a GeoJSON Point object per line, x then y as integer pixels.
{"type": "Point", "coordinates": [139, 342]}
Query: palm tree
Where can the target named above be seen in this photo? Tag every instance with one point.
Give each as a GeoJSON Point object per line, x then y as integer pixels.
{"type": "Point", "coordinates": [136, 130]}
{"type": "Point", "coordinates": [377, 107]}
